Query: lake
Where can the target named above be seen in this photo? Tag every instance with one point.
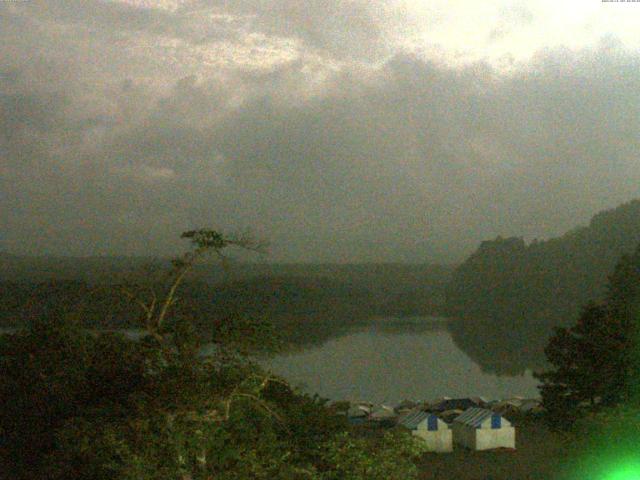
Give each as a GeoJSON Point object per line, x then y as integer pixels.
{"type": "Point", "coordinates": [389, 360]}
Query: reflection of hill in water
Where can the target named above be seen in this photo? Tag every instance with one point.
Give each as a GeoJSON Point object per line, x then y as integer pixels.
{"type": "Point", "coordinates": [501, 350]}
{"type": "Point", "coordinates": [384, 362]}
{"type": "Point", "coordinates": [305, 331]}
{"type": "Point", "coordinates": [302, 332]}
{"type": "Point", "coordinates": [415, 325]}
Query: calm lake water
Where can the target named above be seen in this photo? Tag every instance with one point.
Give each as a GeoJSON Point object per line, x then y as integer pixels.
{"type": "Point", "coordinates": [391, 360]}
{"type": "Point", "coordinates": [388, 360]}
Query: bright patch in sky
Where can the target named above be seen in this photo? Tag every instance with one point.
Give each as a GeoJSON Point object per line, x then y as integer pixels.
{"type": "Point", "coordinates": [503, 32]}
{"type": "Point", "coordinates": [169, 5]}
{"type": "Point", "coordinates": [455, 32]}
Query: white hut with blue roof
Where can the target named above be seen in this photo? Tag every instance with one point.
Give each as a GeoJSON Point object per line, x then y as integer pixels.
{"type": "Point", "coordinates": [435, 432]}
{"type": "Point", "coordinates": [482, 429]}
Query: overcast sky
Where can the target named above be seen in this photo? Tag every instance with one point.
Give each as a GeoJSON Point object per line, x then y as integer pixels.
{"type": "Point", "coordinates": [339, 130]}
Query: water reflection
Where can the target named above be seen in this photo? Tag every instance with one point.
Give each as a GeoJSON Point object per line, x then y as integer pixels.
{"type": "Point", "coordinates": [501, 348]}
{"type": "Point", "coordinates": [390, 360]}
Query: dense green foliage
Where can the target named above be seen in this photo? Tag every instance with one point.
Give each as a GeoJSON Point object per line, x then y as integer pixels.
{"type": "Point", "coordinates": [75, 404]}
{"type": "Point", "coordinates": [510, 295]}
{"type": "Point", "coordinates": [596, 362]}
{"type": "Point", "coordinates": [589, 363]}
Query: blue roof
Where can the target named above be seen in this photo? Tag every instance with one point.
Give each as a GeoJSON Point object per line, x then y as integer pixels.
{"type": "Point", "coordinates": [413, 419]}
{"type": "Point", "coordinates": [474, 417]}
{"type": "Point", "coordinates": [455, 404]}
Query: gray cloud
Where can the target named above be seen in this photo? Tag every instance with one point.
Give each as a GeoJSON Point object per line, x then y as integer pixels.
{"type": "Point", "coordinates": [105, 150]}
{"type": "Point", "coordinates": [341, 27]}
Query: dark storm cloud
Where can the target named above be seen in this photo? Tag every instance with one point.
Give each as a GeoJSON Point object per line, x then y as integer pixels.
{"type": "Point", "coordinates": [107, 150]}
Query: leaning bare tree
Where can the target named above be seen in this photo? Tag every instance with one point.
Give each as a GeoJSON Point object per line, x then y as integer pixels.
{"type": "Point", "coordinates": [156, 305]}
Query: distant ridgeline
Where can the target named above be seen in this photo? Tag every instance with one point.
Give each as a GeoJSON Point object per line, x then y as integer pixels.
{"type": "Point", "coordinates": [508, 296]}
{"type": "Point", "coordinates": [307, 303]}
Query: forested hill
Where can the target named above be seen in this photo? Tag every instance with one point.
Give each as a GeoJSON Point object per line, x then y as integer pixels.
{"type": "Point", "coordinates": [511, 288]}
{"type": "Point", "coordinates": [307, 303]}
